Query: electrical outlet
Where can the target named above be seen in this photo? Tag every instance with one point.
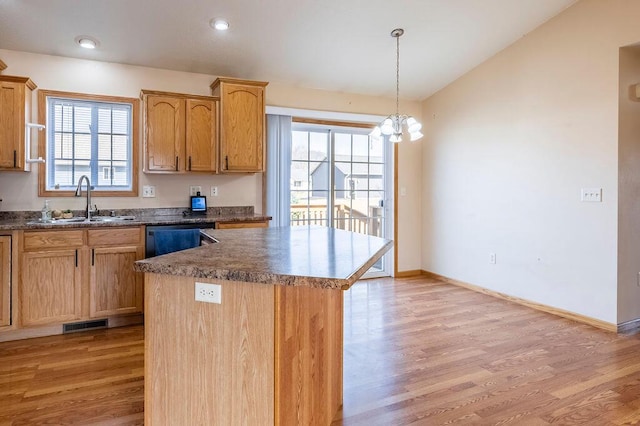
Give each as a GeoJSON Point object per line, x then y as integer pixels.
{"type": "Point", "coordinates": [148, 191]}
{"type": "Point", "coordinates": [492, 258]}
{"type": "Point", "coordinates": [592, 195]}
{"type": "Point", "coordinates": [214, 191]}
{"type": "Point", "coordinates": [209, 293]}
{"type": "Point", "coordinates": [194, 189]}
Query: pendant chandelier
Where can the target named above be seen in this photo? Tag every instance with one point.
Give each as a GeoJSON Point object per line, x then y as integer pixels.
{"type": "Point", "coordinates": [394, 124]}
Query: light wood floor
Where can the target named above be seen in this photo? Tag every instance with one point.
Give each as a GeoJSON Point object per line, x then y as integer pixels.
{"type": "Point", "coordinates": [416, 352]}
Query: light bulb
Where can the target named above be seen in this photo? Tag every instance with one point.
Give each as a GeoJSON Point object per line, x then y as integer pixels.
{"type": "Point", "coordinates": [412, 125]}
{"type": "Point", "coordinates": [415, 135]}
{"type": "Point", "coordinates": [395, 138]}
{"type": "Point", "coordinates": [86, 42]}
{"type": "Point", "coordinates": [387, 127]}
{"type": "Point", "coordinates": [219, 24]}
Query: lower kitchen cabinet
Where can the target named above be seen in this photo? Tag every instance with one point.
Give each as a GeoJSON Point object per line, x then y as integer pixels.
{"type": "Point", "coordinates": [79, 274]}
{"type": "Point", "coordinates": [237, 225]}
{"type": "Point", "coordinates": [50, 279]}
{"type": "Point", "coordinates": [114, 286]}
{"type": "Point", "coordinates": [5, 281]}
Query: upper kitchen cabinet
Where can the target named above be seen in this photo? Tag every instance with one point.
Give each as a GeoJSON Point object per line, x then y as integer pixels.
{"type": "Point", "coordinates": [15, 113]}
{"type": "Point", "coordinates": [242, 124]}
{"type": "Point", "coordinates": [180, 133]}
{"type": "Point", "coordinates": [202, 134]}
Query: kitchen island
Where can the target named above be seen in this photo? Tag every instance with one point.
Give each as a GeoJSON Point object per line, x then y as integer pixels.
{"type": "Point", "coordinates": [271, 352]}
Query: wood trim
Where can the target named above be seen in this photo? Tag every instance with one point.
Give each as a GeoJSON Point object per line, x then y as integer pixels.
{"type": "Point", "coordinates": [3, 66]}
{"type": "Point", "coordinates": [237, 225]}
{"type": "Point", "coordinates": [524, 302]}
{"type": "Point", "coordinates": [333, 123]}
{"type": "Point", "coordinates": [408, 274]}
{"type": "Point", "coordinates": [145, 92]}
{"type": "Point", "coordinates": [396, 201]}
{"type": "Point", "coordinates": [135, 149]}
{"type": "Point", "coordinates": [23, 80]}
{"type": "Point", "coordinates": [240, 81]}
{"type": "Point", "coordinates": [16, 267]}
{"type": "Point", "coordinates": [5, 280]}
{"type": "Point", "coordinates": [56, 329]}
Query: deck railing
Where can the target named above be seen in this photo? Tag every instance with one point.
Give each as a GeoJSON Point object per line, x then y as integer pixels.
{"type": "Point", "coordinates": [344, 218]}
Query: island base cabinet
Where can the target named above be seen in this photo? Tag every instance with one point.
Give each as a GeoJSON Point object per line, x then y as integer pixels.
{"type": "Point", "coordinates": [308, 341]}
{"type": "Point", "coordinates": [208, 364]}
{"type": "Point", "coordinates": [266, 355]}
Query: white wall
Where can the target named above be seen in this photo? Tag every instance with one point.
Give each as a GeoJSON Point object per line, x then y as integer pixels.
{"type": "Point", "coordinates": [19, 190]}
{"type": "Point", "coordinates": [510, 145]}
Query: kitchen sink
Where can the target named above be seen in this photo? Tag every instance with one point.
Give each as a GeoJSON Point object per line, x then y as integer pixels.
{"type": "Point", "coordinates": [111, 218]}
{"type": "Point", "coordinates": [94, 219]}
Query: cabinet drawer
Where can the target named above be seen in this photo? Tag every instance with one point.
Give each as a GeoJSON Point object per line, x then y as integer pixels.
{"type": "Point", "coordinates": [38, 240]}
{"type": "Point", "coordinates": [236, 225]}
{"type": "Point", "coordinates": [115, 236]}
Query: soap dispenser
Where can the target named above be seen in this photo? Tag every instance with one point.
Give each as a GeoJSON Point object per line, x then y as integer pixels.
{"type": "Point", "coordinates": [46, 211]}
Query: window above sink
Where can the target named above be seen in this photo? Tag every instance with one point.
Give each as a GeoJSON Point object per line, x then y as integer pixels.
{"type": "Point", "coordinates": [92, 135]}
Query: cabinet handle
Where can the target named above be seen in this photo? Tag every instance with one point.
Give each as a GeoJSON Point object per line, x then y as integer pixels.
{"type": "Point", "coordinates": [15, 158]}
{"type": "Point", "coordinates": [176, 163]}
{"type": "Point", "coordinates": [76, 258]}
{"type": "Point", "coordinates": [189, 163]}
{"type": "Point", "coordinates": [93, 257]}
{"type": "Point", "coordinates": [226, 162]}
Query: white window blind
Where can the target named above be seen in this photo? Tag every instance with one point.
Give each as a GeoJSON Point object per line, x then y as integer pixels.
{"type": "Point", "coordinates": [89, 138]}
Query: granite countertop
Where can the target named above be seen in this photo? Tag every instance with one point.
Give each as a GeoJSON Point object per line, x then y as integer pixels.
{"type": "Point", "coordinates": [311, 256]}
{"type": "Point", "coordinates": [10, 221]}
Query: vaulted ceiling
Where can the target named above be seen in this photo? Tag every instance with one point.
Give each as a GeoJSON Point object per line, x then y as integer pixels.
{"type": "Point", "coordinates": [337, 45]}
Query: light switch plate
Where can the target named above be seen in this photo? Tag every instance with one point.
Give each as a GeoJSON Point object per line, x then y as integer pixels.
{"type": "Point", "coordinates": [591, 195]}
{"type": "Point", "coordinates": [148, 191]}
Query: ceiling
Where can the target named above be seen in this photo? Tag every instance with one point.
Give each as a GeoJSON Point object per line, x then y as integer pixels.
{"type": "Point", "coordinates": [337, 45]}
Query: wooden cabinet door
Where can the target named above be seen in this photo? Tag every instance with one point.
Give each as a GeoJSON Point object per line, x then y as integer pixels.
{"type": "Point", "coordinates": [5, 281]}
{"type": "Point", "coordinates": [201, 118]}
{"type": "Point", "coordinates": [241, 128]}
{"type": "Point", "coordinates": [115, 287]}
{"type": "Point", "coordinates": [50, 287]}
{"type": "Point", "coordinates": [12, 125]}
{"type": "Point", "coordinates": [164, 134]}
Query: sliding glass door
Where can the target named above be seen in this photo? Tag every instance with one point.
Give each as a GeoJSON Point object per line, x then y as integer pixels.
{"type": "Point", "coordinates": [339, 179]}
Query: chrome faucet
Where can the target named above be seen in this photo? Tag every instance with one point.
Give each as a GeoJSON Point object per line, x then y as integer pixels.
{"type": "Point", "coordinates": [79, 193]}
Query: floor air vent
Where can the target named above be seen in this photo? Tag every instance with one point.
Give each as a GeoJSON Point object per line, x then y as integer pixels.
{"type": "Point", "coordinates": [85, 325]}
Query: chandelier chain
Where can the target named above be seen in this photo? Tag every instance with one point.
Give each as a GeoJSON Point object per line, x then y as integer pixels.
{"type": "Point", "coordinates": [393, 125]}
{"type": "Point", "coordinates": [398, 75]}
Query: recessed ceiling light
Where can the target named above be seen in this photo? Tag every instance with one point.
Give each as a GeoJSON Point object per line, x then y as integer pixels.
{"type": "Point", "coordinates": [87, 42]}
{"type": "Point", "coordinates": [219, 24]}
